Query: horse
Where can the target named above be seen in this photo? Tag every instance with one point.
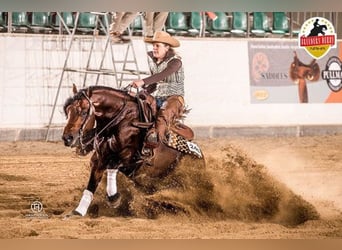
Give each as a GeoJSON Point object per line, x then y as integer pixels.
{"type": "Point", "coordinates": [103, 120]}
{"type": "Point", "coordinates": [318, 30]}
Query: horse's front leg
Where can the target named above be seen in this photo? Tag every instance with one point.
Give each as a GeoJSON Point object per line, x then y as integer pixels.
{"type": "Point", "coordinates": [123, 158]}
{"type": "Point", "coordinates": [96, 174]}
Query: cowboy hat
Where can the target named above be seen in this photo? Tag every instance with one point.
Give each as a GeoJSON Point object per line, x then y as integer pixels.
{"type": "Point", "coordinates": [163, 37]}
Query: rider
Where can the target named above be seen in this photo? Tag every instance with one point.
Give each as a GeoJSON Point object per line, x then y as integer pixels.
{"type": "Point", "coordinates": [316, 24]}
{"type": "Point", "coordinates": [166, 84]}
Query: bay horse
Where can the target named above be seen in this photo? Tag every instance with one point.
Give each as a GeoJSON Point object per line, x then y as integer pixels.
{"type": "Point", "coordinates": [103, 120]}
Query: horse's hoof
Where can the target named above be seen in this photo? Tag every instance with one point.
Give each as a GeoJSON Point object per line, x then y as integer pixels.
{"type": "Point", "coordinates": [93, 211]}
{"type": "Point", "coordinates": [114, 200]}
{"type": "Point", "coordinates": [72, 214]}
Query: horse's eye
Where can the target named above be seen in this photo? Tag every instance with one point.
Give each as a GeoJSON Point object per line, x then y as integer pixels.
{"type": "Point", "coordinates": [84, 113]}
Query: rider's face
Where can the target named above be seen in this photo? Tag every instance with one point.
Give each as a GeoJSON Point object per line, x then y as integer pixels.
{"type": "Point", "coordinates": [160, 50]}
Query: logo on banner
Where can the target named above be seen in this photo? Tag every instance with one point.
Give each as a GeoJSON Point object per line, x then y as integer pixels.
{"type": "Point", "coordinates": [317, 36]}
{"type": "Point", "coordinates": [37, 211]}
{"type": "Point", "coordinates": [260, 65]}
{"type": "Point", "coordinates": [333, 73]}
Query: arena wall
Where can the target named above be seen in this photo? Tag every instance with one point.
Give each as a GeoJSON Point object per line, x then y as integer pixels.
{"type": "Point", "coordinates": [217, 88]}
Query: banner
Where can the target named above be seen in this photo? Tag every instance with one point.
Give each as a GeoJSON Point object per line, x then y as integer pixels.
{"type": "Point", "coordinates": [281, 72]}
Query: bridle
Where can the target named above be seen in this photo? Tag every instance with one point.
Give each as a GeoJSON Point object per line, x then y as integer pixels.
{"type": "Point", "coordinates": [117, 118]}
{"type": "Point", "coordinates": [90, 112]}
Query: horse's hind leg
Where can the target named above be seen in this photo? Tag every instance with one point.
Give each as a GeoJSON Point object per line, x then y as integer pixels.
{"type": "Point", "coordinates": [113, 195]}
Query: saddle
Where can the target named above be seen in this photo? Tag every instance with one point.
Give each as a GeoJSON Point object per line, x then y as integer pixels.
{"type": "Point", "coordinates": [170, 116]}
{"type": "Point", "coordinates": [183, 130]}
{"type": "Point", "coordinates": [147, 109]}
{"type": "Point", "coordinates": [148, 116]}
{"type": "Point", "coordinates": [164, 125]}
{"type": "Point", "coordinates": [300, 70]}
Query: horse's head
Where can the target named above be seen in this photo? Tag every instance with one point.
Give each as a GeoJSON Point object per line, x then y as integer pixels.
{"type": "Point", "coordinates": [80, 114]}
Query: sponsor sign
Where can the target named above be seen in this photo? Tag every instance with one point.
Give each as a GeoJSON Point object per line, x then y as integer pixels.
{"type": "Point", "coordinates": [317, 36]}
{"type": "Point", "coordinates": [333, 73]}
{"type": "Point", "coordinates": [281, 72]}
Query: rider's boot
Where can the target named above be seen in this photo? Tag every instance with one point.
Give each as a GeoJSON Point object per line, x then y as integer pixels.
{"type": "Point", "coordinates": [168, 113]}
{"type": "Point", "coordinates": [151, 142]}
{"type": "Point", "coordinates": [154, 136]}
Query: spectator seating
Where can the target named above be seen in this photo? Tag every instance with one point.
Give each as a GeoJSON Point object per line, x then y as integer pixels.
{"type": "Point", "coordinates": [196, 23]}
{"type": "Point", "coordinates": [220, 26]}
{"type": "Point", "coordinates": [201, 24]}
{"type": "Point", "coordinates": [20, 22]}
{"type": "Point", "coordinates": [239, 26]}
{"type": "Point", "coordinates": [86, 22]}
{"type": "Point", "coordinates": [260, 26]}
{"type": "Point", "coordinates": [67, 21]}
{"type": "Point", "coordinates": [176, 23]}
{"type": "Point", "coordinates": [257, 24]}
{"type": "Point", "coordinates": [3, 21]}
{"type": "Point", "coordinates": [40, 21]}
{"type": "Point", "coordinates": [280, 24]}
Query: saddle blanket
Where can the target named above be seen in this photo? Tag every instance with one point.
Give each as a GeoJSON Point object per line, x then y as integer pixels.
{"type": "Point", "coordinates": [179, 143]}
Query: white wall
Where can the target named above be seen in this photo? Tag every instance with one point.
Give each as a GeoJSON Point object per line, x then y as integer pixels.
{"type": "Point", "coordinates": [217, 83]}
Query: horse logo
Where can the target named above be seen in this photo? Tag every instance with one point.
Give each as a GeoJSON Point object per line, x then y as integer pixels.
{"type": "Point", "coordinates": [318, 29]}
{"type": "Point", "coordinates": [317, 36]}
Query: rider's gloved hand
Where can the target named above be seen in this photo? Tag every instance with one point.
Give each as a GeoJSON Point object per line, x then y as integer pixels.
{"type": "Point", "coordinates": [135, 87]}
{"type": "Point", "coordinates": [137, 83]}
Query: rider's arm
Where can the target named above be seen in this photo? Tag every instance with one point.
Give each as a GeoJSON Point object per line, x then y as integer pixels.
{"type": "Point", "coordinates": [173, 66]}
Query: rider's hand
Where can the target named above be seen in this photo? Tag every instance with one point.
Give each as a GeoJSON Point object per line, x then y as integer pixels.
{"type": "Point", "coordinates": [135, 86]}
{"type": "Point", "coordinates": [137, 83]}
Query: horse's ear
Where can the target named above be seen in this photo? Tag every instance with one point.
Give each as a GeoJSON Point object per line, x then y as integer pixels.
{"type": "Point", "coordinates": [74, 88]}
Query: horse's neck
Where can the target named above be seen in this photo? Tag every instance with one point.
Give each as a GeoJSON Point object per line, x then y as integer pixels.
{"type": "Point", "coordinates": [107, 103]}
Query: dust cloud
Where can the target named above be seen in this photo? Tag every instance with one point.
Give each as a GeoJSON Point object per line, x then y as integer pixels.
{"type": "Point", "coordinates": [235, 187]}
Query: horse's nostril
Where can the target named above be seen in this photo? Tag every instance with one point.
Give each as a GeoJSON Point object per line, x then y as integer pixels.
{"type": "Point", "coordinates": [67, 140]}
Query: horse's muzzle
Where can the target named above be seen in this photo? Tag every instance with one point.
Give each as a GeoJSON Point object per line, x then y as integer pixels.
{"type": "Point", "coordinates": [68, 140]}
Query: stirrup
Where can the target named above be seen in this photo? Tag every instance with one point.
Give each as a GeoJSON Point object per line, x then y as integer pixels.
{"type": "Point", "coordinates": [147, 155]}
{"type": "Point", "coordinates": [152, 138]}
{"type": "Point", "coordinates": [146, 151]}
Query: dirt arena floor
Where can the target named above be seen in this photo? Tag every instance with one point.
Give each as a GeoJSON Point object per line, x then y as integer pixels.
{"type": "Point", "coordinates": [260, 187]}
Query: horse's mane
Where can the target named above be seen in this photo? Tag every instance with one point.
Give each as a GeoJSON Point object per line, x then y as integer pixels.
{"type": "Point", "coordinates": [70, 100]}
{"type": "Point", "coordinates": [80, 94]}
{"type": "Point", "coordinates": [96, 87]}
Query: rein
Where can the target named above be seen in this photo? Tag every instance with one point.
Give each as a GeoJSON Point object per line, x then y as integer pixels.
{"type": "Point", "coordinates": [115, 121]}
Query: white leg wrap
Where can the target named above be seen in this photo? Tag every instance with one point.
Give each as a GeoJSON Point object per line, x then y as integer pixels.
{"type": "Point", "coordinates": [111, 182]}
{"type": "Point", "coordinates": [85, 202]}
